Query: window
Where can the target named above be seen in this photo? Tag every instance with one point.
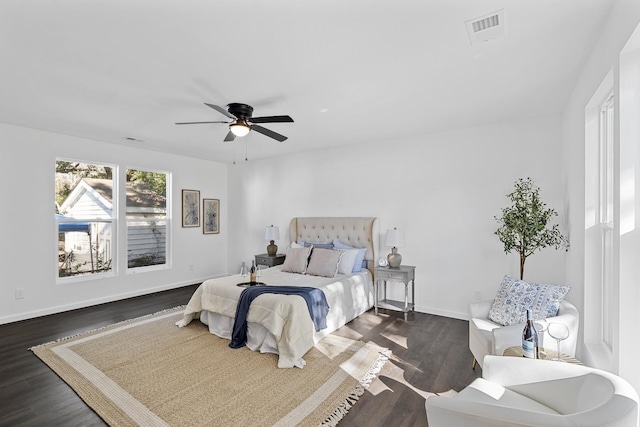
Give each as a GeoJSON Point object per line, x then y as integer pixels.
{"type": "Point", "coordinates": [606, 217]}
{"type": "Point", "coordinates": [84, 212]}
{"type": "Point", "coordinates": [601, 225]}
{"type": "Point", "coordinates": [146, 213]}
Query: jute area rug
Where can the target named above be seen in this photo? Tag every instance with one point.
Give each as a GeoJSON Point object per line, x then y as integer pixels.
{"type": "Point", "coordinates": [149, 372]}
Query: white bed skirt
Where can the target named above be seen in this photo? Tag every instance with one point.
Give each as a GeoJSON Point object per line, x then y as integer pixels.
{"type": "Point", "coordinates": [258, 337]}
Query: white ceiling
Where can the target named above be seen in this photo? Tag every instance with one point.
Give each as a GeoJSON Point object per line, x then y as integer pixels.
{"type": "Point", "coordinates": [347, 71]}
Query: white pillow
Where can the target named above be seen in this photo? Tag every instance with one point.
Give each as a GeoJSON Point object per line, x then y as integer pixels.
{"type": "Point", "coordinates": [360, 262]}
{"type": "Point", "coordinates": [347, 261]}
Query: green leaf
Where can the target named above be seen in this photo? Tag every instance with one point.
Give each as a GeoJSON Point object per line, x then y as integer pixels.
{"type": "Point", "coordinates": [524, 226]}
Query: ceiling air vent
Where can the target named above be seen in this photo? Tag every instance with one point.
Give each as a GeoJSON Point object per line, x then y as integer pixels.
{"type": "Point", "coordinates": [487, 27]}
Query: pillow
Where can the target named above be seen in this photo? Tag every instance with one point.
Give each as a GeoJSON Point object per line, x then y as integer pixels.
{"type": "Point", "coordinates": [515, 296]}
{"type": "Point", "coordinates": [547, 301]}
{"type": "Point", "coordinates": [296, 260]}
{"type": "Point", "coordinates": [359, 263]}
{"type": "Point", "coordinates": [345, 266]}
{"type": "Point", "coordinates": [324, 262]}
{"type": "Point", "coordinates": [296, 245]}
{"type": "Point", "coordinates": [323, 245]}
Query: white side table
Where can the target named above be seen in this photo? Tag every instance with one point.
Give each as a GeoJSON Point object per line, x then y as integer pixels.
{"type": "Point", "coordinates": [405, 274]}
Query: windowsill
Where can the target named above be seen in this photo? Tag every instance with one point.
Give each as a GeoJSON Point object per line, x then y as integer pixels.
{"type": "Point", "coordinates": [138, 270]}
{"type": "Point", "coordinates": [84, 278]}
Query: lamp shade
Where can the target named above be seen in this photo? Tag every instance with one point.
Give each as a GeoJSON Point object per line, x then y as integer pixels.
{"type": "Point", "coordinates": [271, 233]}
{"type": "Point", "coordinates": [395, 238]}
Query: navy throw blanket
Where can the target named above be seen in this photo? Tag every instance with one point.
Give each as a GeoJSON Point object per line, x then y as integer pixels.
{"type": "Point", "coordinates": [315, 299]}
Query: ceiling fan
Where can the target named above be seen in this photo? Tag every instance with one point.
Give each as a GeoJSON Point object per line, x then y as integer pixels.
{"type": "Point", "coordinates": [242, 122]}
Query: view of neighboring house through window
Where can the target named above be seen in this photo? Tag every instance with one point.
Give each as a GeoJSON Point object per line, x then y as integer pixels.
{"type": "Point", "coordinates": [146, 212]}
{"type": "Point", "coordinates": [84, 207]}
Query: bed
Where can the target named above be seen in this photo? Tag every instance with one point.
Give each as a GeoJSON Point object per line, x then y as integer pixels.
{"type": "Point", "coordinates": [281, 324]}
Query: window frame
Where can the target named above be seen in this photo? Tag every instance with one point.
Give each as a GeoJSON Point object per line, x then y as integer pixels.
{"type": "Point", "coordinates": [600, 318]}
{"type": "Point", "coordinates": [113, 221]}
{"type": "Point", "coordinates": [167, 218]}
{"type": "Point", "coordinates": [606, 218]}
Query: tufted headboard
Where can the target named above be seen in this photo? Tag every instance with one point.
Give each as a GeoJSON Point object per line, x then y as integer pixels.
{"type": "Point", "coordinates": [359, 232]}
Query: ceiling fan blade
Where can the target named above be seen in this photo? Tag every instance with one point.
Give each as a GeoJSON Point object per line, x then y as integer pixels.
{"type": "Point", "coordinates": [221, 110]}
{"type": "Point", "coordinates": [197, 123]}
{"type": "Point", "coordinates": [230, 137]}
{"type": "Point", "coordinates": [272, 119]}
{"type": "Point", "coordinates": [269, 133]}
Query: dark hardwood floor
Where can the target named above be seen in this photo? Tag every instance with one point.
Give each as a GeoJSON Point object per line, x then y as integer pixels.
{"type": "Point", "coordinates": [430, 354]}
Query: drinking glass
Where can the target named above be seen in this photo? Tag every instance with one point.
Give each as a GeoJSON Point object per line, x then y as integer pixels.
{"type": "Point", "coordinates": [541, 326]}
{"type": "Point", "coordinates": [559, 332]}
{"type": "Point", "coordinates": [244, 270]}
{"type": "Point", "coordinates": [258, 272]}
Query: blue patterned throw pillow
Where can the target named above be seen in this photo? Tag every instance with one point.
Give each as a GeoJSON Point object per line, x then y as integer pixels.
{"type": "Point", "coordinates": [515, 297]}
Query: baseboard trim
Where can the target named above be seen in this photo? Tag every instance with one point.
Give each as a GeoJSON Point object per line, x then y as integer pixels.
{"type": "Point", "coordinates": [111, 298]}
{"type": "Point", "coordinates": [88, 303]}
{"type": "Point", "coordinates": [440, 312]}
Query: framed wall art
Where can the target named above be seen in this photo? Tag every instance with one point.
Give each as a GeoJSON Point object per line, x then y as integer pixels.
{"type": "Point", "coordinates": [210, 216]}
{"type": "Point", "coordinates": [190, 208]}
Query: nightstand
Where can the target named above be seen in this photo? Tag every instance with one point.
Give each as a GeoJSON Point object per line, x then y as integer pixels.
{"type": "Point", "coordinates": [270, 261]}
{"type": "Point", "coordinates": [404, 274]}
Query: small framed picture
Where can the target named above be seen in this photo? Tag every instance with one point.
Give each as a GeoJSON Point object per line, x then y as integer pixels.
{"type": "Point", "coordinates": [190, 208]}
{"type": "Point", "coordinates": [210, 216]}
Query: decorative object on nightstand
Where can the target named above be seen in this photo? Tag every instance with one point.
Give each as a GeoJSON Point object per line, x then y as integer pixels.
{"type": "Point", "coordinates": [394, 239]}
{"type": "Point", "coordinates": [270, 261]}
{"type": "Point", "coordinates": [404, 274]}
{"type": "Point", "coordinates": [272, 233]}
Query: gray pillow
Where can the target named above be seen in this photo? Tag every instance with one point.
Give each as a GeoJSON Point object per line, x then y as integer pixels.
{"type": "Point", "coordinates": [324, 262]}
{"type": "Point", "coordinates": [296, 260]}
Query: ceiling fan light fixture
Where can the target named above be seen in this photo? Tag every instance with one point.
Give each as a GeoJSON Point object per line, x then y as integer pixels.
{"type": "Point", "coordinates": [243, 122]}
{"type": "Point", "coordinates": [239, 128]}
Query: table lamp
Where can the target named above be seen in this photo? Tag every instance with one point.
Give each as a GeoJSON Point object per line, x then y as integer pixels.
{"type": "Point", "coordinates": [395, 239]}
{"type": "Point", "coordinates": [272, 233]}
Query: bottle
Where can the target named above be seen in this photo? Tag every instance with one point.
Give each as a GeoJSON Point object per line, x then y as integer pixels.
{"type": "Point", "coordinates": [530, 339]}
{"type": "Point", "coordinates": [252, 273]}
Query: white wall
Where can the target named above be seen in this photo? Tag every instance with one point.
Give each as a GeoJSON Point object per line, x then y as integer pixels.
{"type": "Point", "coordinates": [29, 238]}
{"type": "Point", "coordinates": [443, 189]}
{"type": "Point", "coordinates": [604, 58]}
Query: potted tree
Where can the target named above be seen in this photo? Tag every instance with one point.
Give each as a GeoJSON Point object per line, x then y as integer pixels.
{"type": "Point", "coordinates": [524, 225]}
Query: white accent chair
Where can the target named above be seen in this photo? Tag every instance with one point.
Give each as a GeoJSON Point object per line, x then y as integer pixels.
{"type": "Point", "coordinates": [488, 337]}
{"type": "Point", "coordinates": [515, 391]}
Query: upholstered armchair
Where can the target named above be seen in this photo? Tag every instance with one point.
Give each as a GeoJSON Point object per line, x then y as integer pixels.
{"type": "Point", "coordinates": [489, 337]}
{"type": "Point", "coordinates": [515, 391]}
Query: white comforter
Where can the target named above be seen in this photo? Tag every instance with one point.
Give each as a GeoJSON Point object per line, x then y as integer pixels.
{"type": "Point", "coordinates": [285, 317]}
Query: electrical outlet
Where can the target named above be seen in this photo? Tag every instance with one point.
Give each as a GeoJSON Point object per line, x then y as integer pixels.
{"type": "Point", "coordinates": [19, 293]}
{"type": "Point", "coordinates": [477, 295]}
{"type": "Point", "coordinates": [190, 267]}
